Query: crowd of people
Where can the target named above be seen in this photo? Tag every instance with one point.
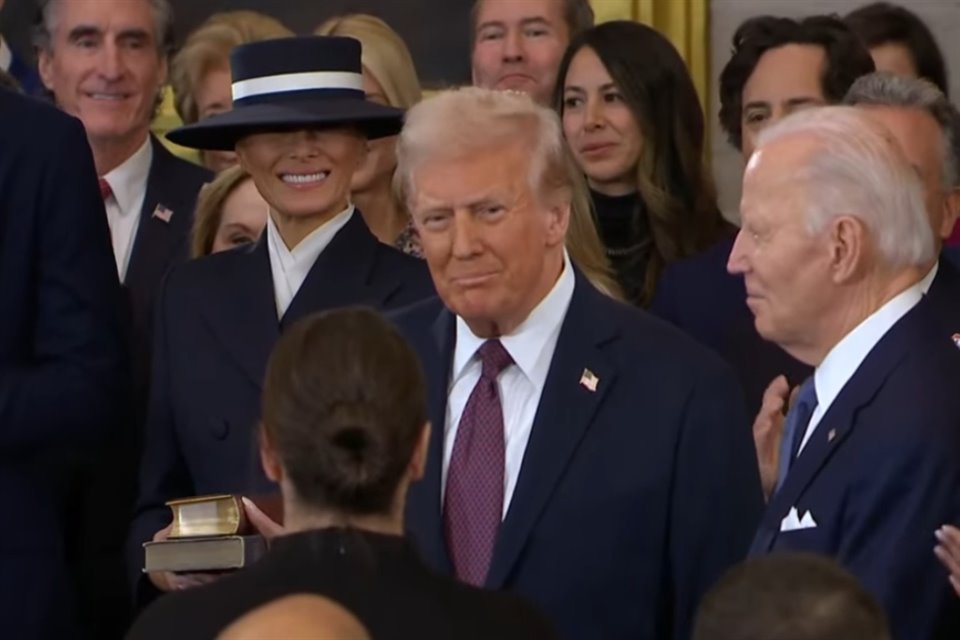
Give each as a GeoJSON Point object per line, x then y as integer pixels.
{"type": "Point", "coordinates": [510, 370]}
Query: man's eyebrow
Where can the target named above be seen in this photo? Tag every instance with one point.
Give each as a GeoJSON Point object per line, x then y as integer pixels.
{"type": "Point", "coordinates": [83, 31]}
{"type": "Point", "coordinates": [491, 23]}
{"type": "Point", "coordinates": [756, 104]}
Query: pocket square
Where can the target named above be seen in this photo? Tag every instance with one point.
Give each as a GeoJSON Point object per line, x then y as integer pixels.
{"type": "Point", "coordinates": [795, 522]}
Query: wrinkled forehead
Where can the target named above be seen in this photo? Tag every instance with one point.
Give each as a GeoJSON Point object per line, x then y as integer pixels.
{"type": "Point", "coordinates": [516, 12]}
{"type": "Point", "coordinates": [103, 15]}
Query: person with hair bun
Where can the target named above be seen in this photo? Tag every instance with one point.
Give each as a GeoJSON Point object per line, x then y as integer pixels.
{"type": "Point", "coordinates": [344, 433]}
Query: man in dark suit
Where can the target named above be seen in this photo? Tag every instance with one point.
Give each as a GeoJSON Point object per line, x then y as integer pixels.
{"type": "Point", "coordinates": [24, 74]}
{"type": "Point", "coordinates": [835, 242]}
{"type": "Point", "coordinates": [105, 61]}
{"type": "Point", "coordinates": [583, 454]}
{"type": "Point", "coordinates": [779, 65]}
{"type": "Point", "coordinates": [62, 360]}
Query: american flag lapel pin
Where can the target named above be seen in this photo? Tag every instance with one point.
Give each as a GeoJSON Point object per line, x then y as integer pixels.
{"type": "Point", "coordinates": [589, 380]}
{"type": "Point", "coordinates": [956, 339]}
{"type": "Point", "coordinates": [162, 213]}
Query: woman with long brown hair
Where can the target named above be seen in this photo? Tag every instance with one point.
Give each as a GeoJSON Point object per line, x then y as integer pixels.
{"type": "Point", "coordinates": [634, 123]}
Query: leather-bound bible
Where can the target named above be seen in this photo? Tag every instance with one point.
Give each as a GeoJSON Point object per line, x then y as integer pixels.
{"type": "Point", "coordinates": [211, 533]}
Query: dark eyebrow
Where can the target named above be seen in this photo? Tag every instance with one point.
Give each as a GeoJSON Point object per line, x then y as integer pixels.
{"type": "Point", "coordinates": [83, 31]}
{"type": "Point", "coordinates": [794, 102]}
{"type": "Point", "coordinates": [756, 104]}
{"type": "Point", "coordinates": [134, 34]}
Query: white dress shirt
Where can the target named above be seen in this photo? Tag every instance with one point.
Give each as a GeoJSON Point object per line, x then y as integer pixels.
{"type": "Point", "coordinates": [291, 266]}
{"type": "Point", "coordinates": [848, 354]}
{"type": "Point", "coordinates": [6, 56]}
{"type": "Point", "coordinates": [128, 182]}
{"type": "Point", "coordinates": [531, 345]}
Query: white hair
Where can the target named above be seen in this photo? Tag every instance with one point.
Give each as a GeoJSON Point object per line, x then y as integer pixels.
{"type": "Point", "coordinates": [457, 122]}
{"type": "Point", "coordinates": [860, 171]}
{"type": "Point", "coordinates": [884, 89]}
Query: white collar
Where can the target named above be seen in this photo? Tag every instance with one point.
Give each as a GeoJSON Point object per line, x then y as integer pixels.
{"type": "Point", "coordinates": [928, 279]}
{"type": "Point", "coordinates": [128, 180]}
{"type": "Point", "coordinates": [309, 249]}
{"type": "Point", "coordinates": [526, 343]}
{"type": "Point", "coordinates": [848, 354]}
{"type": "Point", "coordinates": [6, 56]}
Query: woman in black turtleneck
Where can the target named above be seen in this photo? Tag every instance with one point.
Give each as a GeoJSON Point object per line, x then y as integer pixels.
{"type": "Point", "coordinates": [633, 120]}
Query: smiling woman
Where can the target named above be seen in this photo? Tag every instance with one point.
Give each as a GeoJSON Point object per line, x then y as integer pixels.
{"type": "Point", "coordinates": [299, 125]}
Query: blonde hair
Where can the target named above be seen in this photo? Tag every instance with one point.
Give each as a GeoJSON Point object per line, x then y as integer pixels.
{"type": "Point", "coordinates": [385, 55]}
{"type": "Point", "coordinates": [458, 121]}
{"type": "Point", "coordinates": [209, 211]}
{"type": "Point", "coordinates": [208, 48]}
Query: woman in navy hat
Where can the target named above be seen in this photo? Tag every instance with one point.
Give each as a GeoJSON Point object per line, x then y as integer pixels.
{"type": "Point", "coordinates": [299, 125]}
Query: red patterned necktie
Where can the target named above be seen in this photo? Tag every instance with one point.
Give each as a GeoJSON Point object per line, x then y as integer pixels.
{"type": "Point", "coordinates": [473, 503]}
{"type": "Point", "coordinates": [105, 190]}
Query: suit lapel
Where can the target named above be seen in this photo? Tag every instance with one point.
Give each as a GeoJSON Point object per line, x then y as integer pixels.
{"type": "Point", "coordinates": [342, 274]}
{"type": "Point", "coordinates": [425, 506]}
{"type": "Point", "coordinates": [566, 410]}
{"type": "Point", "coordinates": [241, 310]}
{"type": "Point", "coordinates": [838, 422]}
{"type": "Point", "coordinates": [159, 238]}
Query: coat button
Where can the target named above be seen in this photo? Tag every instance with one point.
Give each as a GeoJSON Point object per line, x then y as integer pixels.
{"type": "Point", "coordinates": [219, 428]}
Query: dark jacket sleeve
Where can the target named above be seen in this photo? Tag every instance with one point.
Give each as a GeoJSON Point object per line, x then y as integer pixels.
{"type": "Point", "coordinates": [71, 391]}
{"type": "Point", "coordinates": [716, 497]}
{"type": "Point", "coordinates": [163, 472]}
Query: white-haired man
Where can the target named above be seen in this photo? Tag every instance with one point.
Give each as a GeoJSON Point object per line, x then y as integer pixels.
{"type": "Point", "coordinates": [834, 243]}
{"type": "Point", "coordinates": [583, 454]}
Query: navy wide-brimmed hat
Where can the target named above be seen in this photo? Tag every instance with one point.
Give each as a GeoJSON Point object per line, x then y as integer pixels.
{"type": "Point", "coordinates": [289, 84]}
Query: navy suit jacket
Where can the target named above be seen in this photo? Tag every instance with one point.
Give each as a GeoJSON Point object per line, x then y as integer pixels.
{"type": "Point", "coordinates": [702, 298]}
{"type": "Point", "coordinates": [952, 254]}
{"type": "Point", "coordinates": [632, 499]}
{"type": "Point", "coordinates": [881, 473]}
{"type": "Point", "coordinates": [62, 358]}
{"type": "Point", "coordinates": [944, 296]}
{"type": "Point", "coordinates": [216, 326]}
{"type": "Point", "coordinates": [26, 75]}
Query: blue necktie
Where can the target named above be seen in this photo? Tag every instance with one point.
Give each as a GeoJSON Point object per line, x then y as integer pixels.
{"type": "Point", "coordinates": [798, 417]}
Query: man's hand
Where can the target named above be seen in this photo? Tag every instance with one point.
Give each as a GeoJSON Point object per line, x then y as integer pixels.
{"type": "Point", "coordinates": [768, 432]}
{"type": "Point", "coordinates": [948, 551]}
{"type": "Point", "coordinates": [168, 581]}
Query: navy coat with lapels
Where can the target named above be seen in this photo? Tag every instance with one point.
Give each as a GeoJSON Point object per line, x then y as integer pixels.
{"type": "Point", "coordinates": [216, 326]}
{"type": "Point", "coordinates": [633, 497]}
{"type": "Point", "coordinates": [880, 473]}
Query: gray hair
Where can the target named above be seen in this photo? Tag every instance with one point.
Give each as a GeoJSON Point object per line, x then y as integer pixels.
{"type": "Point", "coordinates": [859, 170]}
{"type": "Point", "coordinates": [47, 20]}
{"type": "Point", "coordinates": [883, 89]}
{"type": "Point", "coordinates": [456, 122]}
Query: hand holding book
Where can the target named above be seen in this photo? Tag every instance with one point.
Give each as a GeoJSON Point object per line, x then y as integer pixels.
{"type": "Point", "coordinates": [263, 523]}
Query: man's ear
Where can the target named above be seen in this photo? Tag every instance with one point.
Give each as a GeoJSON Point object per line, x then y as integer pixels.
{"type": "Point", "coordinates": [848, 242]}
{"type": "Point", "coordinates": [559, 221]}
{"type": "Point", "coordinates": [951, 211]}
{"type": "Point", "coordinates": [269, 459]}
{"type": "Point", "coordinates": [45, 67]}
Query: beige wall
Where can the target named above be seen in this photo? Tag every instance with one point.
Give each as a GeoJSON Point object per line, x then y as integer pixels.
{"type": "Point", "coordinates": [943, 17]}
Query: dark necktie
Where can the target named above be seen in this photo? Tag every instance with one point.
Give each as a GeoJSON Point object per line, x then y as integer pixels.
{"type": "Point", "coordinates": [105, 190]}
{"type": "Point", "coordinates": [795, 427]}
{"type": "Point", "coordinates": [473, 503]}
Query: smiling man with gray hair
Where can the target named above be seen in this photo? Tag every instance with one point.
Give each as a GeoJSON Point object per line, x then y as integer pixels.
{"type": "Point", "coordinates": [835, 241]}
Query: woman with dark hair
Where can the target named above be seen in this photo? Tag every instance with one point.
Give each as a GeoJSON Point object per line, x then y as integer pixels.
{"type": "Point", "coordinates": [633, 120]}
{"type": "Point", "coordinates": [344, 433]}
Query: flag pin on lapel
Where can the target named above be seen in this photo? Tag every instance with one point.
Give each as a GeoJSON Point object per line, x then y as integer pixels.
{"type": "Point", "coordinates": [956, 339]}
{"type": "Point", "coordinates": [162, 213]}
{"type": "Point", "coordinates": [589, 380]}
{"type": "Point", "coordinates": [831, 435]}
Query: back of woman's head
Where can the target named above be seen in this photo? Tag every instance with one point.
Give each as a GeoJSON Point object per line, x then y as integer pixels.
{"type": "Point", "coordinates": [672, 180]}
{"type": "Point", "coordinates": [385, 55]}
{"type": "Point", "coordinates": [344, 406]}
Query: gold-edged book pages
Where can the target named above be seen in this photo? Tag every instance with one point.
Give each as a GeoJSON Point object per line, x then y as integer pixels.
{"type": "Point", "coordinates": [215, 515]}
